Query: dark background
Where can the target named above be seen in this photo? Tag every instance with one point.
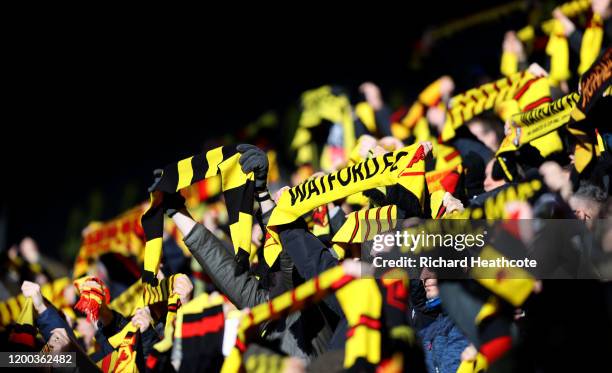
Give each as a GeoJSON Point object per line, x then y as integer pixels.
{"type": "Point", "coordinates": [93, 110]}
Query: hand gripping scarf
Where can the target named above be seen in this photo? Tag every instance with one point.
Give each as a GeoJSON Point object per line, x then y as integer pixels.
{"type": "Point", "coordinates": [91, 298]}
{"type": "Point", "coordinates": [237, 189]}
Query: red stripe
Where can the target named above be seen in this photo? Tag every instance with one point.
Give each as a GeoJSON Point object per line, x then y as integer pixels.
{"type": "Point", "coordinates": [210, 324]}
{"type": "Point", "coordinates": [95, 291]}
{"type": "Point", "coordinates": [317, 284]}
{"type": "Point", "coordinates": [240, 345]}
{"type": "Point", "coordinates": [355, 230]}
{"type": "Point", "coordinates": [106, 362]}
{"type": "Point", "coordinates": [366, 321]}
{"type": "Point", "coordinates": [452, 155]}
{"type": "Point", "coordinates": [406, 173]}
{"type": "Point", "coordinates": [524, 88]}
{"type": "Point", "coordinates": [341, 282]}
{"type": "Point", "coordinates": [378, 220]}
{"type": "Point", "coordinates": [537, 103]}
{"type": "Point", "coordinates": [369, 322]}
{"type": "Point", "coordinates": [23, 338]}
{"type": "Point", "coordinates": [271, 308]}
{"type": "Point", "coordinates": [151, 361]}
{"type": "Point", "coordinates": [418, 156]}
{"type": "Point", "coordinates": [389, 215]}
{"type": "Point", "coordinates": [441, 212]}
{"type": "Point", "coordinates": [496, 348]}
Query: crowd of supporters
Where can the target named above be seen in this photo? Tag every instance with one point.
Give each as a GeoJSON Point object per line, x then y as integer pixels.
{"type": "Point", "coordinates": [534, 144]}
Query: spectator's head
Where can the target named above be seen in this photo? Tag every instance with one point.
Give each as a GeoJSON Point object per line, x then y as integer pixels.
{"type": "Point", "coordinates": [588, 201]}
{"type": "Point", "coordinates": [488, 131]}
{"type": "Point", "coordinates": [29, 250]}
{"type": "Point", "coordinates": [430, 283]}
{"type": "Point", "coordinates": [491, 181]}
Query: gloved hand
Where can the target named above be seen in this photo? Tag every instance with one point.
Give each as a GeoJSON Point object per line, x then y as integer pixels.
{"type": "Point", "coordinates": [172, 202]}
{"type": "Point", "coordinates": [254, 159]}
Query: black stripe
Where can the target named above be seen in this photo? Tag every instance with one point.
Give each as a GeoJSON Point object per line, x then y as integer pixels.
{"type": "Point", "coordinates": [246, 205]}
{"type": "Point", "coordinates": [239, 199]}
{"type": "Point", "coordinates": [228, 151]}
{"type": "Point", "coordinates": [200, 167]}
{"type": "Point", "coordinates": [212, 311]}
{"type": "Point", "coordinates": [153, 223]}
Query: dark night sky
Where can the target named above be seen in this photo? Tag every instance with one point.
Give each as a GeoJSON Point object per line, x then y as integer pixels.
{"type": "Point", "coordinates": [93, 109]}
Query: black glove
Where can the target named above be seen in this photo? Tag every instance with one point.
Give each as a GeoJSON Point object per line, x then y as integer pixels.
{"type": "Point", "coordinates": [172, 202]}
{"type": "Point", "coordinates": [254, 159]}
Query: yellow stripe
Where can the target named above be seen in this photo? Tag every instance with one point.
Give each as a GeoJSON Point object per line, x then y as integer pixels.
{"type": "Point", "coordinates": [232, 173]}
{"type": "Point", "coordinates": [185, 173]}
{"type": "Point", "coordinates": [153, 249]}
{"type": "Point", "coordinates": [213, 157]}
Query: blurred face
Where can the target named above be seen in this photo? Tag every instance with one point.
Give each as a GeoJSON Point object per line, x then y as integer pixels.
{"type": "Point", "coordinates": [584, 209]}
{"type": "Point", "coordinates": [430, 283]}
{"type": "Point", "coordinates": [431, 288]}
{"type": "Point", "coordinates": [29, 250]}
{"type": "Point", "coordinates": [489, 138]}
{"type": "Point", "coordinates": [489, 182]}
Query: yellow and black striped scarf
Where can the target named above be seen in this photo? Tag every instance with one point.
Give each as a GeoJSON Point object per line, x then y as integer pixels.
{"type": "Point", "coordinates": [237, 189]}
